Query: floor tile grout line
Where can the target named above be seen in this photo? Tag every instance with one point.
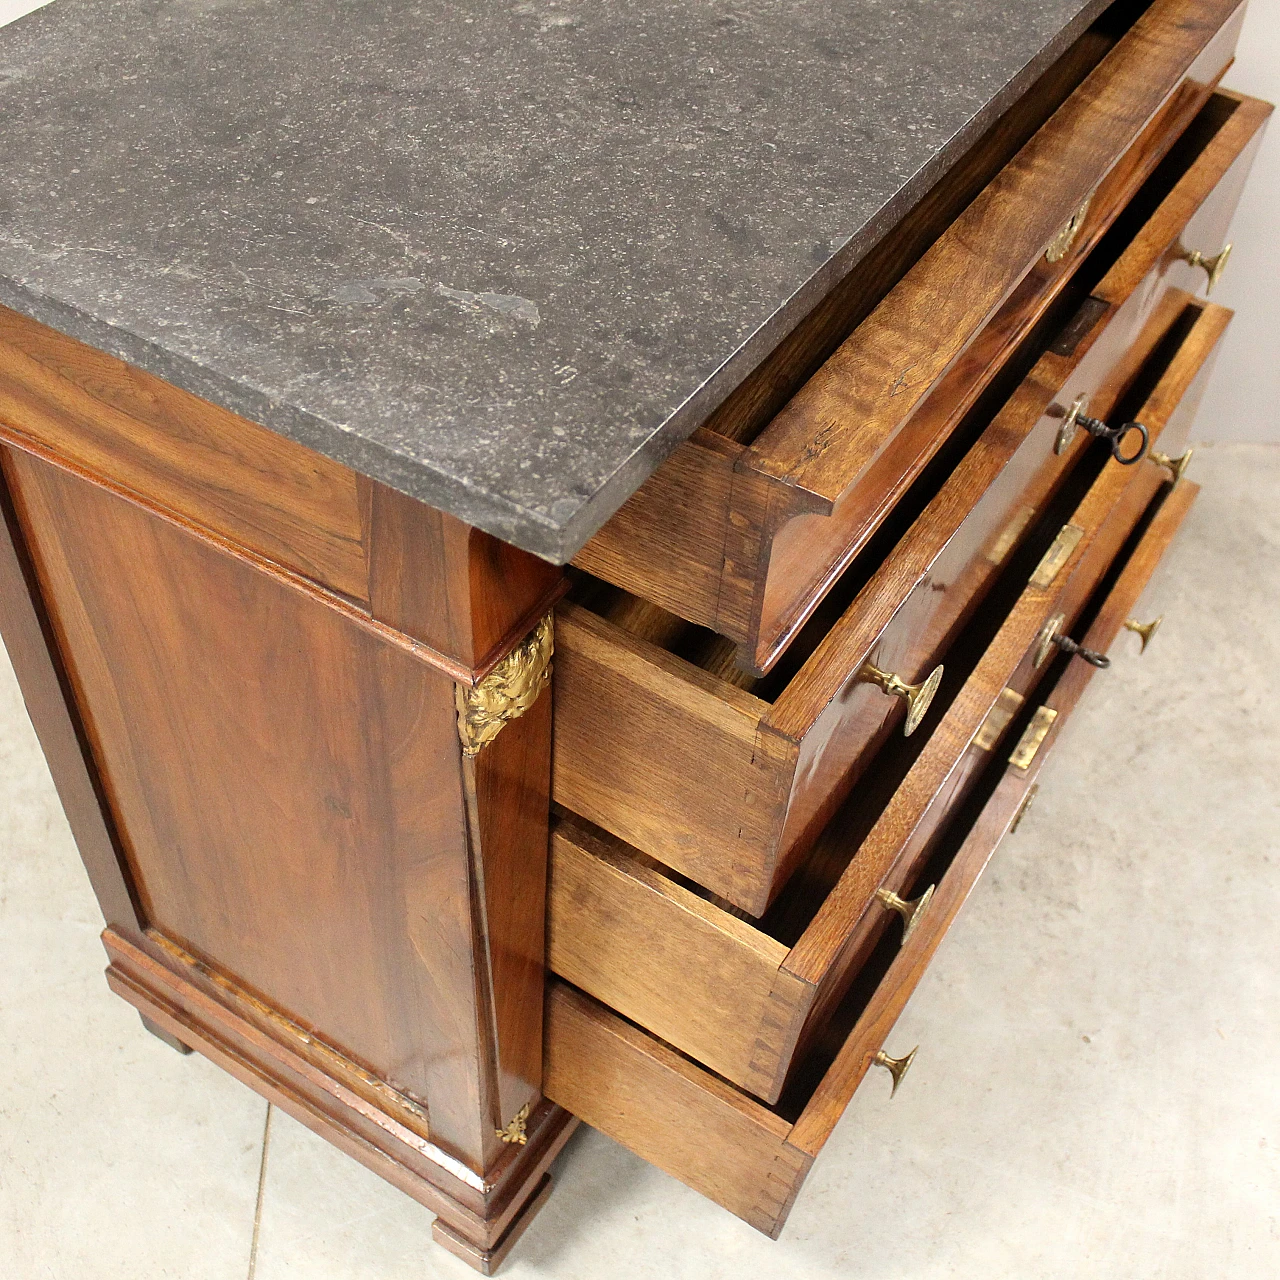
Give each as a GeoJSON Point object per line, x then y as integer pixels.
{"type": "Point", "coordinates": [262, 1183]}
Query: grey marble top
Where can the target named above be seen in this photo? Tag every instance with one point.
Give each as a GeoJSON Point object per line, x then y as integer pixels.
{"type": "Point", "coordinates": [502, 256]}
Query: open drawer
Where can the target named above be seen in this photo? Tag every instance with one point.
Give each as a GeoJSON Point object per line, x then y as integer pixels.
{"type": "Point", "coordinates": [752, 1158]}
{"type": "Point", "coordinates": [744, 998]}
{"type": "Point", "coordinates": [751, 521]}
{"type": "Point", "coordinates": [730, 786]}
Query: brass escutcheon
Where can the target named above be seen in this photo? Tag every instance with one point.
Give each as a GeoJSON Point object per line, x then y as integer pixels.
{"type": "Point", "coordinates": [1044, 642]}
{"type": "Point", "coordinates": [1070, 424]}
{"type": "Point", "coordinates": [912, 911]}
{"type": "Point", "coordinates": [1062, 242]}
{"type": "Point", "coordinates": [1024, 806]}
{"type": "Point", "coordinates": [1213, 266]}
{"type": "Point", "coordinates": [918, 696]}
{"type": "Point", "coordinates": [1177, 466]}
{"type": "Point", "coordinates": [896, 1067]}
{"type": "Point", "coordinates": [1145, 629]}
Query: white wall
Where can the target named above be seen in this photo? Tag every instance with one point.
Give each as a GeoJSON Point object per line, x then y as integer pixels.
{"type": "Point", "coordinates": [10, 9]}
{"type": "Point", "coordinates": [1243, 399]}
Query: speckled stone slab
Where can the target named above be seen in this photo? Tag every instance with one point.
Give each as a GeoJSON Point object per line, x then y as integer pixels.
{"type": "Point", "coordinates": [501, 256]}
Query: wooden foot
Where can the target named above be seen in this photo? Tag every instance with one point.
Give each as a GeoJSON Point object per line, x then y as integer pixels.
{"type": "Point", "coordinates": [161, 1034]}
{"type": "Point", "coordinates": [487, 1260]}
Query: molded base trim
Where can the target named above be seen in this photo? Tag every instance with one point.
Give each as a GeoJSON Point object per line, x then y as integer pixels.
{"type": "Point", "coordinates": [478, 1226]}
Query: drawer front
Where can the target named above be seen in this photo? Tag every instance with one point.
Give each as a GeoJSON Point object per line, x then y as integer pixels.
{"type": "Point", "coordinates": [625, 931]}
{"type": "Point", "coordinates": [775, 521]}
{"type": "Point", "coordinates": [731, 790]}
{"type": "Point", "coordinates": [752, 1158]}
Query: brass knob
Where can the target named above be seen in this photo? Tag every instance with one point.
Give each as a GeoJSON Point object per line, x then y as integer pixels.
{"type": "Point", "coordinates": [1145, 629]}
{"type": "Point", "coordinates": [1177, 466]}
{"type": "Point", "coordinates": [918, 696]}
{"type": "Point", "coordinates": [1215, 266]}
{"type": "Point", "coordinates": [896, 1067]}
{"type": "Point", "coordinates": [912, 912]}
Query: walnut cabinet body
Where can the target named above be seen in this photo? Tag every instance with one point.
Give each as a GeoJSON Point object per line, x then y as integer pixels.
{"type": "Point", "coordinates": [441, 848]}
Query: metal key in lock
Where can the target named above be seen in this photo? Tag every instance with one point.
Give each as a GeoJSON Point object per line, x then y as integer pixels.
{"type": "Point", "coordinates": [1077, 419]}
{"type": "Point", "coordinates": [1052, 637]}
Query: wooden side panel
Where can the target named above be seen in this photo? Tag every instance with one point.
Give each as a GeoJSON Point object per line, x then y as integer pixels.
{"type": "Point", "coordinates": [667, 757]}
{"type": "Point", "coordinates": [632, 938]}
{"type": "Point", "coordinates": [689, 1123]}
{"type": "Point", "coordinates": [46, 690]}
{"type": "Point", "coordinates": [238, 479]}
{"type": "Point", "coordinates": [288, 788]}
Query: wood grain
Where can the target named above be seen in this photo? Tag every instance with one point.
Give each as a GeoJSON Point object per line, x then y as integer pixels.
{"type": "Point", "coordinates": [846, 414]}
{"type": "Point", "coordinates": [747, 1157]}
{"type": "Point", "coordinates": [459, 590]}
{"type": "Point", "coordinates": [626, 933]}
{"type": "Point", "coordinates": [50, 702]}
{"type": "Point", "coordinates": [733, 791]}
{"type": "Point", "coordinates": [202, 462]}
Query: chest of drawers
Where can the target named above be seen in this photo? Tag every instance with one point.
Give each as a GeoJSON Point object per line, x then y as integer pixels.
{"type": "Point", "coordinates": [443, 847]}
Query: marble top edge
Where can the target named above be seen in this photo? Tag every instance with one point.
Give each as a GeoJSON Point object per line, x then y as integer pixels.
{"type": "Point", "coordinates": [364, 337]}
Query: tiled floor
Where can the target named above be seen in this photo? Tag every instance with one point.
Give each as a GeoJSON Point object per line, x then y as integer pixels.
{"type": "Point", "coordinates": [1096, 1094]}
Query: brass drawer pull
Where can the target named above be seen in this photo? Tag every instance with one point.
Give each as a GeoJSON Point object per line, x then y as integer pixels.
{"type": "Point", "coordinates": [918, 696]}
{"type": "Point", "coordinates": [896, 1067]}
{"type": "Point", "coordinates": [1177, 466]}
{"type": "Point", "coordinates": [1145, 629]}
{"type": "Point", "coordinates": [1051, 636]}
{"type": "Point", "coordinates": [1214, 266]}
{"type": "Point", "coordinates": [912, 911]}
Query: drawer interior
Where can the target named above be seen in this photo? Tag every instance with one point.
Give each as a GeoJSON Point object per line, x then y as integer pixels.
{"type": "Point", "coordinates": [716, 773]}
{"type": "Point", "coordinates": [624, 927]}
{"type": "Point", "coordinates": [752, 1158]}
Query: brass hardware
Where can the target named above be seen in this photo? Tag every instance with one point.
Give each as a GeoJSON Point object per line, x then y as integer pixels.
{"type": "Point", "coordinates": [1024, 806]}
{"type": "Point", "coordinates": [1076, 418]}
{"type": "Point", "coordinates": [1214, 266]}
{"type": "Point", "coordinates": [1145, 629]}
{"type": "Point", "coordinates": [1008, 704]}
{"type": "Point", "coordinates": [1058, 246]}
{"type": "Point", "coordinates": [1032, 737]}
{"type": "Point", "coordinates": [515, 1133]}
{"type": "Point", "coordinates": [1059, 553]}
{"type": "Point", "coordinates": [507, 692]}
{"type": "Point", "coordinates": [912, 911]}
{"type": "Point", "coordinates": [1052, 636]}
{"type": "Point", "coordinates": [918, 696]}
{"type": "Point", "coordinates": [1044, 642]}
{"type": "Point", "coordinates": [896, 1067]}
{"type": "Point", "coordinates": [1010, 534]}
{"type": "Point", "coordinates": [1177, 466]}
{"type": "Point", "coordinates": [1070, 424]}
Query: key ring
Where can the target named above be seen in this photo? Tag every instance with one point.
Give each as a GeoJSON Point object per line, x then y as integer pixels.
{"type": "Point", "coordinates": [1114, 435]}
